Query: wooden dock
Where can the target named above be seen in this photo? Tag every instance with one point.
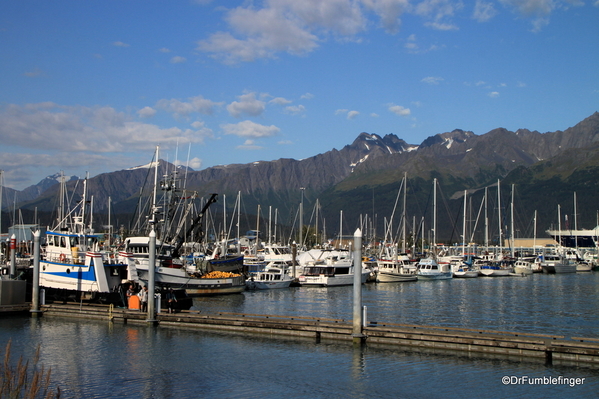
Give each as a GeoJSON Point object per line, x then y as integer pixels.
{"type": "Point", "coordinates": [501, 343]}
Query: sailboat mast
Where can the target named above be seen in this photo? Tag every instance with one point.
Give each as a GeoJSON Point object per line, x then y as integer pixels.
{"type": "Point", "coordinates": [512, 241]}
{"type": "Point", "coordinates": [435, 213]}
{"type": "Point", "coordinates": [403, 217]}
{"type": "Point", "coordinates": [464, 227]}
{"type": "Point", "coordinates": [486, 220]}
{"type": "Point", "coordinates": [499, 212]}
{"type": "Point", "coordinates": [575, 224]}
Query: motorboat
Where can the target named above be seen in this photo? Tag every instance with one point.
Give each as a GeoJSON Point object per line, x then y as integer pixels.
{"type": "Point", "coordinates": [273, 276]}
{"type": "Point", "coordinates": [429, 269]}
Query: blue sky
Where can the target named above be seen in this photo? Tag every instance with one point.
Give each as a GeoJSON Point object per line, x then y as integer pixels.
{"type": "Point", "coordinates": [94, 86]}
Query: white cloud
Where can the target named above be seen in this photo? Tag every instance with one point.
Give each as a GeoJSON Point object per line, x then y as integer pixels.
{"type": "Point", "coordinates": [280, 101]}
{"type": "Point", "coordinates": [483, 11]}
{"type": "Point", "coordinates": [439, 12]}
{"type": "Point", "coordinates": [250, 129]}
{"type": "Point", "coordinates": [494, 94]}
{"type": "Point", "coordinates": [146, 112]}
{"type": "Point", "coordinates": [248, 104]}
{"type": "Point", "coordinates": [389, 11]}
{"type": "Point", "coordinates": [433, 80]}
{"type": "Point", "coordinates": [120, 44]}
{"type": "Point", "coordinates": [309, 96]}
{"type": "Point", "coordinates": [352, 114]}
{"type": "Point", "coordinates": [399, 110]}
{"type": "Point", "coordinates": [180, 108]}
{"type": "Point", "coordinates": [249, 145]}
{"type": "Point", "coordinates": [340, 111]}
{"type": "Point", "coordinates": [263, 33]}
{"type": "Point", "coordinates": [295, 109]}
{"type": "Point", "coordinates": [178, 60]}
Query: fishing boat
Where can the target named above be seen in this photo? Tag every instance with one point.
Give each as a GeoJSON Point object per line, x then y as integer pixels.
{"type": "Point", "coordinates": [429, 269]}
{"type": "Point", "coordinates": [398, 269]}
{"type": "Point", "coordinates": [73, 260]}
{"type": "Point", "coordinates": [273, 276]}
{"type": "Point", "coordinates": [523, 267]}
{"type": "Point", "coordinates": [173, 272]}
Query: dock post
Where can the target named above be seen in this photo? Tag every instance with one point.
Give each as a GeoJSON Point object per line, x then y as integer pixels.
{"type": "Point", "coordinates": [358, 337]}
{"type": "Point", "coordinates": [151, 278]}
{"type": "Point", "coordinates": [13, 256]}
{"type": "Point", "coordinates": [35, 293]}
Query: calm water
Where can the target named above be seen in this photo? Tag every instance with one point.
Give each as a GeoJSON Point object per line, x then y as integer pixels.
{"type": "Point", "coordinates": [93, 359]}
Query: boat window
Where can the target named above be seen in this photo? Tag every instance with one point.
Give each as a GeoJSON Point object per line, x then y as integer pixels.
{"type": "Point", "coordinates": [63, 242]}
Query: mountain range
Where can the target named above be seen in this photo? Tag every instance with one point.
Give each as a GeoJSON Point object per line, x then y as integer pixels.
{"type": "Point", "coordinates": [364, 178]}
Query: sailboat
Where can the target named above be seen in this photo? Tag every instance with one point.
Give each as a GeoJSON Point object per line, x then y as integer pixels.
{"type": "Point", "coordinates": [391, 266]}
{"type": "Point", "coordinates": [464, 268]}
{"type": "Point", "coordinates": [428, 268]}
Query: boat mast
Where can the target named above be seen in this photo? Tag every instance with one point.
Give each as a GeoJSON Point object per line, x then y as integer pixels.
{"type": "Point", "coordinates": [486, 220]}
{"type": "Point", "coordinates": [559, 225]}
{"type": "Point", "coordinates": [464, 227]}
{"type": "Point", "coordinates": [534, 240]}
{"type": "Point", "coordinates": [403, 217]}
{"type": "Point", "coordinates": [500, 222]}
{"type": "Point", "coordinates": [512, 241]}
{"type": "Point", "coordinates": [153, 219]}
{"type": "Point", "coordinates": [269, 223]}
{"type": "Point", "coordinates": [575, 226]}
{"type": "Point", "coordinates": [435, 215]}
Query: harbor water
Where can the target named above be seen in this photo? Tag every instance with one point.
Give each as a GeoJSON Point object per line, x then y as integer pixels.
{"type": "Point", "coordinates": [100, 359]}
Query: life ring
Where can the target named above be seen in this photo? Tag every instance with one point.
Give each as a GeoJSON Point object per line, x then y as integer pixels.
{"type": "Point", "coordinates": [62, 257]}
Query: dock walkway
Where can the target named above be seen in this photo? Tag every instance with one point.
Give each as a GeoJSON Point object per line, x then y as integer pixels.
{"type": "Point", "coordinates": [549, 347]}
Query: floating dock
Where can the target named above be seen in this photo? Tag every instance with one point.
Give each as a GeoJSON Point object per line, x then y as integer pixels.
{"type": "Point", "coordinates": [548, 347]}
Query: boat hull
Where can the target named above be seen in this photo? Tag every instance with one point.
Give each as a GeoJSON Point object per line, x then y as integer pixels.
{"type": "Point", "coordinates": [93, 276]}
{"type": "Point", "coordinates": [387, 277]}
{"type": "Point", "coordinates": [215, 286]}
{"type": "Point", "coordinates": [332, 281]}
{"type": "Point", "coordinates": [435, 276]}
{"type": "Point", "coordinates": [465, 274]}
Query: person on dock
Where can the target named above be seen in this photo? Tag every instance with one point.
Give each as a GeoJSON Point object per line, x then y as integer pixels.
{"type": "Point", "coordinates": [143, 294]}
{"type": "Point", "coordinates": [170, 300]}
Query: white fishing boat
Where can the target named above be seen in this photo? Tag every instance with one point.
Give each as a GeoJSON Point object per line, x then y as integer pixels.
{"type": "Point", "coordinates": [398, 269]}
{"type": "Point", "coordinates": [331, 271]}
{"type": "Point", "coordinates": [75, 262]}
{"type": "Point", "coordinates": [273, 276]}
{"type": "Point", "coordinates": [429, 269]}
{"type": "Point", "coordinates": [523, 267]}
{"type": "Point", "coordinates": [73, 259]}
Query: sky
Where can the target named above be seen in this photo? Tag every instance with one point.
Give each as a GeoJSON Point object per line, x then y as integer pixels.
{"type": "Point", "coordinates": [88, 87]}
